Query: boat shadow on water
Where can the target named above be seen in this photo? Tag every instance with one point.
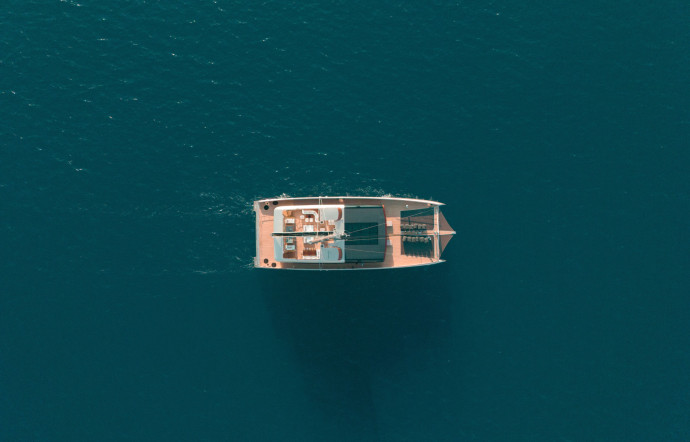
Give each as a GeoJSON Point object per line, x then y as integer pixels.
{"type": "Point", "coordinates": [351, 331]}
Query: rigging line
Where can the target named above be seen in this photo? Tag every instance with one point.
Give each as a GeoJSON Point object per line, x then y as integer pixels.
{"type": "Point", "coordinates": [365, 251]}
{"type": "Point", "coordinates": [365, 228]}
{"type": "Point", "coordinates": [401, 217]}
{"type": "Point", "coordinates": [366, 238]}
{"type": "Point", "coordinates": [360, 238]}
{"type": "Point", "coordinates": [353, 243]}
{"type": "Point", "coordinates": [383, 237]}
{"type": "Point", "coordinates": [380, 224]}
{"type": "Point", "coordinates": [412, 233]}
{"type": "Point", "coordinates": [348, 245]}
{"type": "Point", "coordinates": [402, 233]}
{"type": "Point", "coordinates": [419, 211]}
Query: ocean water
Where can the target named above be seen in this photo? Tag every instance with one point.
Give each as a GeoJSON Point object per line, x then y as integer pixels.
{"type": "Point", "coordinates": [136, 134]}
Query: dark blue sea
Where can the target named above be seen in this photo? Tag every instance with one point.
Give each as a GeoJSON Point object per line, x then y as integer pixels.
{"type": "Point", "coordinates": [135, 134]}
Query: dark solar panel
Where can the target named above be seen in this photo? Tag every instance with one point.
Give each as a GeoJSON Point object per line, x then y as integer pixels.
{"type": "Point", "coordinates": [361, 234]}
{"type": "Point", "coordinates": [366, 227]}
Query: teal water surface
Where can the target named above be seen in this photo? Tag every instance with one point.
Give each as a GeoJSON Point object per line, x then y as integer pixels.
{"type": "Point", "coordinates": [136, 134]}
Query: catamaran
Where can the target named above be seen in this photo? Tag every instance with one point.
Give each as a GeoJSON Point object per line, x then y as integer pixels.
{"type": "Point", "coordinates": [349, 233]}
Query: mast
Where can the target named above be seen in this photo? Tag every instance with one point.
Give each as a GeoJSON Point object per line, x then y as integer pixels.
{"type": "Point", "coordinates": [437, 250]}
{"type": "Point", "coordinates": [333, 236]}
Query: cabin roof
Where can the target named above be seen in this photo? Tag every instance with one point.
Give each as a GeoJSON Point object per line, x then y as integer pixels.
{"type": "Point", "coordinates": [366, 229]}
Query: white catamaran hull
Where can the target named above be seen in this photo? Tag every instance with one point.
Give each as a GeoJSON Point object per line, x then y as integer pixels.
{"type": "Point", "coordinates": [349, 233]}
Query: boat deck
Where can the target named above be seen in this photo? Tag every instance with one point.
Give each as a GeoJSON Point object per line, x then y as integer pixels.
{"type": "Point", "coordinates": [398, 253]}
